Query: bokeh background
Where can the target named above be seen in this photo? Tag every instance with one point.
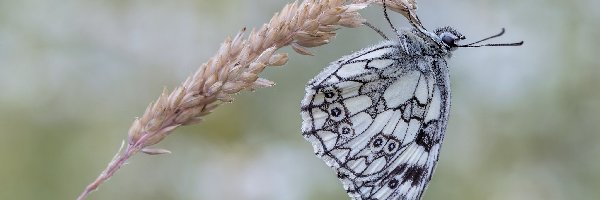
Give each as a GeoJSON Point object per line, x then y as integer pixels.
{"type": "Point", "coordinates": [74, 74]}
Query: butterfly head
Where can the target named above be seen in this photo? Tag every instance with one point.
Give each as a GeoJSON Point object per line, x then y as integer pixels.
{"type": "Point", "coordinates": [445, 37]}
{"type": "Point", "coordinates": [448, 37]}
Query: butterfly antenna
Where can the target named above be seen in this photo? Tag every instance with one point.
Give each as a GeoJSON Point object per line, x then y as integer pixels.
{"type": "Point", "coordinates": [376, 30]}
{"type": "Point", "coordinates": [491, 37]}
{"type": "Point", "coordinates": [495, 45]}
{"type": "Point", "coordinates": [387, 18]}
{"type": "Point", "coordinates": [473, 44]}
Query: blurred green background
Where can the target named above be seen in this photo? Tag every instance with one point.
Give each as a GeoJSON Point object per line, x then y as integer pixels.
{"type": "Point", "coordinates": [74, 74]}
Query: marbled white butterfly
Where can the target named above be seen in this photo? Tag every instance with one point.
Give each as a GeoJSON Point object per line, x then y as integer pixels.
{"type": "Point", "coordinates": [378, 116]}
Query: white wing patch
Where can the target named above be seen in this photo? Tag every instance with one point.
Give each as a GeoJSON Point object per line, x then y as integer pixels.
{"type": "Point", "coordinates": [378, 119]}
{"type": "Point", "coordinates": [394, 95]}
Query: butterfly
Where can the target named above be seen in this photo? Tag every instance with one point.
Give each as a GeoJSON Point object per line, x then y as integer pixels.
{"type": "Point", "coordinates": [378, 116]}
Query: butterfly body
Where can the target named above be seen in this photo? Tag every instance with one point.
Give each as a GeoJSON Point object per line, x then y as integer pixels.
{"type": "Point", "coordinates": [378, 116]}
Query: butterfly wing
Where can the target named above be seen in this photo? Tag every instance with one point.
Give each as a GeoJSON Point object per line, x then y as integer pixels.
{"type": "Point", "coordinates": [378, 117]}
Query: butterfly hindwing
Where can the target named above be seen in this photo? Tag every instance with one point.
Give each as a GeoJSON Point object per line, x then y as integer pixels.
{"type": "Point", "coordinates": [377, 117]}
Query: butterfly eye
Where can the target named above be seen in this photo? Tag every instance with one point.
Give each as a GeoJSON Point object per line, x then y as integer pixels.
{"type": "Point", "coordinates": [449, 36]}
{"type": "Point", "coordinates": [449, 40]}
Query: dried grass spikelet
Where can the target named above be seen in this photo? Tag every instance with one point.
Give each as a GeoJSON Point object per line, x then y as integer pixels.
{"type": "Point", "coordinates": [238, 63]}
{"type": "Point", "coordinates": [407, 8]}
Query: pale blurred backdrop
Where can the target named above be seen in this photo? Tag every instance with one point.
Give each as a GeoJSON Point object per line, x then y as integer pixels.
{"type": "Point", "coordinates": [74, 74]}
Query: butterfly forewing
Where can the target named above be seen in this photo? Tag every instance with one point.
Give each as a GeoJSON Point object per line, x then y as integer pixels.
{"type": "Point", "coordinates": [378, 116]}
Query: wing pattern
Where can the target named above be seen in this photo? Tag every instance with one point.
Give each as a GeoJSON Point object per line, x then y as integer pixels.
{"type": "Point", "coordinates": [378, 117]}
